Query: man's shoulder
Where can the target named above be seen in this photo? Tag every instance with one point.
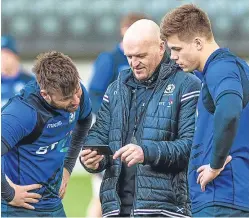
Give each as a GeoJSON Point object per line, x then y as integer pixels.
{"type": "Point", "coordinates": [18, 108]}
{"type": "Point", "coordinates": [188, 77]}
{"type": "Point", "coordinates": [224, 64]}
{"type": "Point", "coordinates": [218, 69]}
{"type": "Point", "coordinates": [85, 102]}
{"type": "Point", "coordinates": [112, 87]}
{"type": "Point", "coordinates": [29, 88]}
{"type": "Point", "coordinates": [122, 77]}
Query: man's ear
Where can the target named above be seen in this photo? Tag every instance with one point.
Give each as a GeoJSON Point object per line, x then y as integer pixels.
{"type": "Point", "coordinates": [198, 42]}
{"type": "Point", "coordinates": [162, 47]}
{"type": "Point", "coordinates": [45, 95]}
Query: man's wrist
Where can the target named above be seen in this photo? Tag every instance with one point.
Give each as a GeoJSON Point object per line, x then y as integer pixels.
{"type": "Point", "coordinates": [213, 170]}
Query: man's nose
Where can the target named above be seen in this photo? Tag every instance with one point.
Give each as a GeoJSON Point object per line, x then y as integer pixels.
{"type": "Point", "coordinates": [135, 62]}
{"type": "Point", "coordinates": [173, 56]}
{"type": "Point", "coordinates": [76, 99]}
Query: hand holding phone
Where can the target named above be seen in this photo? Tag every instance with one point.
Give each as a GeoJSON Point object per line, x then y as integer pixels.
{"type": "Point", "coordinates": [101, 149]}
{"type": "Point", "coordinates": [90, 158]}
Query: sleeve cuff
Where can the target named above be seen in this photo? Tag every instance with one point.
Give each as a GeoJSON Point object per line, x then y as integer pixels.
{"type": "Point", "coordinates": [150, 155]}
{"type": "Point", "coordinates": [217, 162]}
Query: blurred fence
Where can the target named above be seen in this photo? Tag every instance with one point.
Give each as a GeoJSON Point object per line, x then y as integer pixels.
{"type": "Point", "coordinates": [83, 28]}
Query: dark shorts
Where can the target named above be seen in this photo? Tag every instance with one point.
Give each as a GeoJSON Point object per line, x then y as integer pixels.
{"type": "Point", "coordinates": [220, 211]}
{"type": "Point", "coordinates": [10, 211]}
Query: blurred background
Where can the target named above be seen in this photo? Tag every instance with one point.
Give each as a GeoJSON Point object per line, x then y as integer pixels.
{"type": "Point", "coordinates": [84, 28]}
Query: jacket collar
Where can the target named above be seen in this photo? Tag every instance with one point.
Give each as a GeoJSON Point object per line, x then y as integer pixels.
{"type": "Point", "coordinates": [168, 67]}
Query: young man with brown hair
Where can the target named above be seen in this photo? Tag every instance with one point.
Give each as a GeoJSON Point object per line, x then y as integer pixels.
{"type": "Point", "coordinates": [218, 171]}
{"type": "Point", "coordinates": [42, 132]}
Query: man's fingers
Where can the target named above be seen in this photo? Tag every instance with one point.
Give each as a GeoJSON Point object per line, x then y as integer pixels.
{"type": "Point", "coordinates": [203, 188]}
{"type": "Point", "coordinates": [126, 154]}
{"type": "Point", "coordinates": [62, 196]}
{"type": "Point", "coordinates": [92, 166]}
{"type": "Point", "coordinates": [28, 206]}
{"type": "Point", "coordinates": [33, 195]}
{"type": "Point", "coordinates": [90, 155]}
{"type": "Point", "coordinates": [200, 169]}
{"type": "Point", "coordinates": [129, 158]}
{"type": "Point", "coordinates": [60, 189]}
{"type": "Point", "coordinates": [31, 200]}
{"type": "Point", "coordinates": [199, 177]}
{"type": "Point", "coordinates": [132, 162]}
{"type": "Point", "coordinates": [98, 160]}
{"type": "Point", "coordinates": [229, 158]}
{"type": "Point", "coordinates": [95, 159]}
{"type": "Point", "coordinates": [31, 187]}
{"type": "Point", "coordinates": [62, 193]}
{"type": "Point", "coordinates": [85, 152]}
{"type": "Point", "coordinates": [120, 152]}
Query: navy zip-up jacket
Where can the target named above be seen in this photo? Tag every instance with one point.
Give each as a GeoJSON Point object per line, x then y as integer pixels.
{"type": "Point", "coordinates": [165, 135]}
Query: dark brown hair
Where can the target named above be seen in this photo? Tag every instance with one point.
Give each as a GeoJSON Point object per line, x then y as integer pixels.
{"type": "Point", "coordinates": [56, 72]}
{"type": "Point", "coordinates": [187, 22]}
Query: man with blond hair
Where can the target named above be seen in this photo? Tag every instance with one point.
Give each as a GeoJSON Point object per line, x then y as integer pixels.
{"type": "Point", "coordinates": [218, 171]}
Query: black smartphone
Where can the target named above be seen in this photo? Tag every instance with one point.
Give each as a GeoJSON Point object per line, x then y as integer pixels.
{"type": "Point", "coordinates": [101, 149]}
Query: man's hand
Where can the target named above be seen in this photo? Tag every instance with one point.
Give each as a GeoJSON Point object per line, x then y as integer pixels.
{"type": "Point", "coordinates": [131, 154]}
{"type": "Point", "coordinates": [207, 174]}
{"type": "Point", "coordinates": [23, 197]}
{"type": "Point", "coordinates": [90, 158]}
{"type": "Point", "coordinates": [64, 182]}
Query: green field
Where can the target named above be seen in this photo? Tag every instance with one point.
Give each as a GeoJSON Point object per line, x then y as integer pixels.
{"type": "Point", "coordinates": [78, 195]}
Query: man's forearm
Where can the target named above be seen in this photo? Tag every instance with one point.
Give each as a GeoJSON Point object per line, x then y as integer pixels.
{"type": "Point", "coordinates": [226, 119]}
{"type": "Point", "coordinates": [79, 134]}
{"type": "Point", "coordinates": [171, 155]}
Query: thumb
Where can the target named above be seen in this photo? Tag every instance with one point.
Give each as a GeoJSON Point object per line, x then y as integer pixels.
{"type": "Point", "coordinates": [9, 181]}
{"type": "Point", "coordinates": [229, 158]}
{"type": "Point", "coordinates": [96, 166]}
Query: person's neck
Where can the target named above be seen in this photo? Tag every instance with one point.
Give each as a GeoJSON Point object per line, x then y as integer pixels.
{"type": "Point", "coordinates": [209, 48]}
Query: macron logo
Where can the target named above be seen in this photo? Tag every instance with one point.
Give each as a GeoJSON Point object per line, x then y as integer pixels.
{"type": "Point", "coordinates": [54, 125]}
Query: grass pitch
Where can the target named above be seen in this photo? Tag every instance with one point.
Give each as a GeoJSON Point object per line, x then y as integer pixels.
{"type": "Point", "coordinates": [78, 195]}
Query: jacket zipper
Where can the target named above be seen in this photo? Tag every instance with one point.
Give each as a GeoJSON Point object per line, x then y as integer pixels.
{"type": "Point", "coordinates": [116, 185]}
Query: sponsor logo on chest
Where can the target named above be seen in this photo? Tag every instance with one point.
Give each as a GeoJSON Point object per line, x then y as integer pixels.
{"type": "Point", "coordinates": [54, 125]}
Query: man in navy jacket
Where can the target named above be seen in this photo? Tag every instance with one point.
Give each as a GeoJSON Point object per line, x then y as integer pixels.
{"type": "Point", "coordinates": [147, 118]}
